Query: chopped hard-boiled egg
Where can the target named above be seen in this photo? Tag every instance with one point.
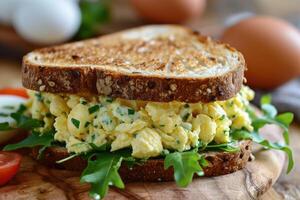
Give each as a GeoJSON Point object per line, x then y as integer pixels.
{"type": "Point", "coordinates": [146, 127]}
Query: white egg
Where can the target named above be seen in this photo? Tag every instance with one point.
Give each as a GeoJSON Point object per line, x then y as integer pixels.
{"type": "Point", "coordinates": [8, 104]}
{"type": "Point", "coordinates": [47, 21]}
{"type": "Point", "coordinates": [7, 9]}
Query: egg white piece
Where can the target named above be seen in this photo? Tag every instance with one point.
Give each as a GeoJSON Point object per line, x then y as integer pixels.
{"type": "Point", "coordinates": [47, 21]}
{"type": "Point", "coordinates": [8, 104]}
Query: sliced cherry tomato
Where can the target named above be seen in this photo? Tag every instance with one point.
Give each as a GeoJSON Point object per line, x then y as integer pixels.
{"type": "Point", "coordinates": [14, 91]}
{"type": "Point", "coordinates": [9, 165]}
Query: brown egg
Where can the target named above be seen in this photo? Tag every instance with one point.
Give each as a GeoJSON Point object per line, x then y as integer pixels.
{"type": "Point", "coordinates": [169, 11]}
{"type": "Point", "coordinates": [271, 48]}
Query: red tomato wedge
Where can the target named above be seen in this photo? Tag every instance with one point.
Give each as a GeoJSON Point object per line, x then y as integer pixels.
{"type": "Point", "coordinates": [14, 91]}
{"type": "Point", "coordinates": [9, 165]}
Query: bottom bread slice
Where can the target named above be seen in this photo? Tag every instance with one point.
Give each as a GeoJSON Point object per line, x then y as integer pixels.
{"type": "Point", "coordinates": [152, 170]}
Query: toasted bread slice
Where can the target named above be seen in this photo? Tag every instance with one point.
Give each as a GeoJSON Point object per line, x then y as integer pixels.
{"type": "Point", "coordinates": [220, 163]}
{"type": "Point", "coordinates": [152, 63]}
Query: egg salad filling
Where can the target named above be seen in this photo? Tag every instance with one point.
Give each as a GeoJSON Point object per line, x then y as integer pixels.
{"type": "Point", "coordinates": [146, 127]}
{"type": "Point", "coordinates": [108, 132]}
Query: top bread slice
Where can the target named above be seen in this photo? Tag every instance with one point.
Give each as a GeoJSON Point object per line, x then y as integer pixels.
{"type": "Point", "coordinates": [153, 63]}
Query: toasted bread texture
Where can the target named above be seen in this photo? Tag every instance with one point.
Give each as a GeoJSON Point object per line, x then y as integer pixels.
{"type": "Point", "coordinates": [152, 63]}
{"type": "Point", "coordinates": [220, 163]}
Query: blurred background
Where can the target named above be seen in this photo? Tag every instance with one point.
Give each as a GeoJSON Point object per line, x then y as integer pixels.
{"type": "Point", "coordinates": [267, 32]}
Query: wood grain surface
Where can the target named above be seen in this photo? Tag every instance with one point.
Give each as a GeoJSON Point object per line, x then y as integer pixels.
{"type": "Point", "coordinates": [35, 181]}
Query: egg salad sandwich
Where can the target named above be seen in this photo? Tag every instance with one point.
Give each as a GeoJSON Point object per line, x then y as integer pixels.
{"type": "Point", "coordinates": [154, 103]}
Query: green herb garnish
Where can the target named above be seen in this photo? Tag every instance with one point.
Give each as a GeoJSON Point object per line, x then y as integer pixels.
{"type": "Point", "coordinates": [102, 172]}
{"type": "Point", "coordinates": [34, 139]}
{"type": "Point", "coordinates": [185, 165]}
{"type": "Point", "coordinates": [186, 116]}
{"type": "Point", "coordinates": [39, 96]}
{"type": "Point", "coordinates": [94, 109]}
{"type": "Point", "coordinates": [75, 122]}
{"type": "Point", "coordinates": [87, 124]}
{"type": "Point", "coordinates": [131, 111]}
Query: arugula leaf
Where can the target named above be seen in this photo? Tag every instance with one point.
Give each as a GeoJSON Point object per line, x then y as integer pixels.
{"type": "Point", "coordinates": [26, 123]}
{"type": "Point", "coordinates": [102, 171]}
{"type": "Point", "coordinates": [285, 118]}
{"type": "Point", "coordinates": [185, 165]}
{"type": "Point", "coordinates": [228, 147]}
{"type": "Point", "coordinates": [270, 117]}
{"type": "Point", "coordinates": [33, 140]}
{"type": "Point", "coordinates": [5, 126]}
{"type": "Point", "coordinates": [22, 121]}
{"type": "Point", "coordinates": [266, 99]}
{"type": "Point", "coordinates": [255, 137]}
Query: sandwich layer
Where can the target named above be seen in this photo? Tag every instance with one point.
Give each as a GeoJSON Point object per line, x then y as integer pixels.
{"type": "Point", "coordinates": [152, 63]}
{"type": "Point", "coordinates": [148, 128]}
{"type": "Point", "coordinates": [152, 170]}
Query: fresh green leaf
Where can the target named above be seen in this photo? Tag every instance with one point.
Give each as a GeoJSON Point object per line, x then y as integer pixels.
{"type": "Point", "coordinates": [25, 122]}
{"type": "Point", "coordinates": [242, 135]}
{"type": "Point", "coordinates": [228, 147]}
{"type": "Point", "coordinates": [101, 172]}
{"type": "Point", "coordinates": [285, 118]}
{"type": "Point", "coordinates": [269, 110]}
{"type": "Point", "coordinates": [34, 139]}
{"type": "Point", "coordinates": [266, 99]}
{"type": "Point", "coordinates": [185, 165]}
{"type": "Point", "coordinates": [5, 126]}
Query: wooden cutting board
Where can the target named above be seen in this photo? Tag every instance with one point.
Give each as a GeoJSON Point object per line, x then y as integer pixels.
{"type": "Point", "coordinates": [35, 181]}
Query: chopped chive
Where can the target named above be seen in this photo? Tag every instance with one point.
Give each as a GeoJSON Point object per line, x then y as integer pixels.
{"type": "Point", "coordinates": [83, 102]}
{"type": "Point", "coordinates": [94, 109]}
{"type": "Point", "coordinates": [131, 112]}
{"type": "Point", "coordinates": [186, 116]}
{"type": "Point", "coordinates": [75, 122]}
{"type": "Point", "coordinates": [162, 125]}
{"type": "Point", "coordinates": [222, 117]}
{"type": "Point", "coordinates": [39, 96]}
{"type": "Point", "coordinates": [93, 137]}
{"type": "Point", "coordinates": [87, 124]}
{"type": "Point", "coordinates": [134, 135]}
{"type": "Point", "coordinates": [186, 105]}
{"type": "Point", "coordinates": [177, 141]}
{"type": "Point", "coordinates": [109, 100]}
{"type": "Point", "coordinates": [48, 115]}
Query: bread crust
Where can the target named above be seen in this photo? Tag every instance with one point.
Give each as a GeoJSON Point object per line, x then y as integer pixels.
{"type": "Point", "coordinates": [89, 80]}
{"type": "Point", "coordinates": [220, 163]}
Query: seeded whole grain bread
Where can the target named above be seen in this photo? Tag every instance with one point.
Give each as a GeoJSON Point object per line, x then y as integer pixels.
{"type": "Point", "coordinates": [220, 163]}
{"type": "Point", "coordinates": [153, 63]}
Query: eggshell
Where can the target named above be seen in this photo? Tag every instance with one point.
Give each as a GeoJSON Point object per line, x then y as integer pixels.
{"type": "Point", "coordinates": [8, 100]}
{"type": "Point", "coordinates": [169, 11]}
{"type": "Point", "coordinates": [271, 48]}
{"type": "Point", "coordinates": [47, 21]}
{"type": "Point", "coordinates": [7, 9]}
